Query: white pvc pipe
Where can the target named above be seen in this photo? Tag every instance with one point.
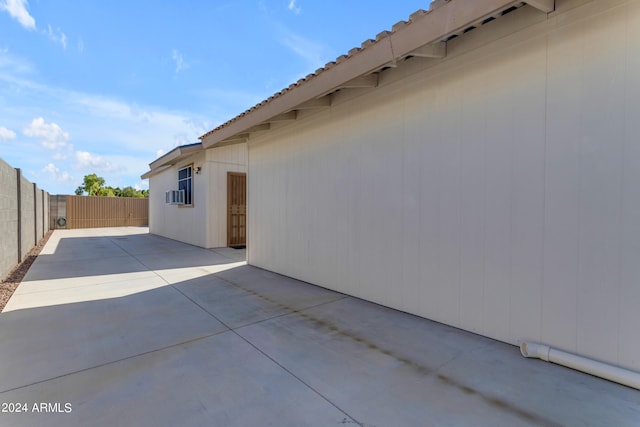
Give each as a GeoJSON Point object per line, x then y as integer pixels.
{"type": "Point", "coordinates": [580, 363]}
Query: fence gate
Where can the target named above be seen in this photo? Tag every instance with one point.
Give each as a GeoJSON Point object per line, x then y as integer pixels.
{"type": "Point", "coordinates": [236, 209]}
{"type": "Point", "coordinates": [94, 211]}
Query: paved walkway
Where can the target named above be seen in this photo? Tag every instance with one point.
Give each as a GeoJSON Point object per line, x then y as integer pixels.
{"type": "Point", "coordinates": [116, 327]}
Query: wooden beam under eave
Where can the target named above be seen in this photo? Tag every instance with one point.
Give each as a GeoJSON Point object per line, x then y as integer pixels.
{"type": "Point", "coordinates": [547, 6]}
{"type": "Point", "coordinates": [243, 137]}
{"type": "Point", "coordinates": [323, 102]}
{"type": "Point", "coordinates": [284, 117]}
{"type": "Point", "coordinates": [370, 80]}
{"type": "Point", "coordinates": [435, 50]}
{"type": "Point", "coordinates": [258, 128]}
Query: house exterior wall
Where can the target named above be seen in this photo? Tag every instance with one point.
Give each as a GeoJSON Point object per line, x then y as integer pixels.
{"type": "Point", "coordinates": [495, 190]}
{"type": "Point", "coordinates": [182, 223]}
{"type": "Point", "coordinates": [203, 224]}
{"type": "Point", "coordinates": [231, 158]}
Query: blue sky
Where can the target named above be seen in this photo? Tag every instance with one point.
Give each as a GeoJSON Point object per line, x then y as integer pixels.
{"type": "Point", "coordinates": [96, 86]}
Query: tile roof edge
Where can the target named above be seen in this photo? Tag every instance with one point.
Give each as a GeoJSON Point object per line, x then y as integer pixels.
{"type": "Point", "coordinates": [395, 34]}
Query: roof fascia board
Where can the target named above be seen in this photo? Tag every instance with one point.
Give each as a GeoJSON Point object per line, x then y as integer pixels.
{"type": "Point", "coordinates": [166, 159]}
{"type": "Point", "coordinates": [430, 27]}
{"type": "Point", "coordinates": [451, 17]}
{"type": "Point", "coordinates": [153, 172]}
{"type": "Point", "coordinates": [174, 155]}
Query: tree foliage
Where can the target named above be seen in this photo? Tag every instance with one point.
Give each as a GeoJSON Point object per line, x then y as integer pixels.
{"type": "Point", "coordinates": [94, 185]}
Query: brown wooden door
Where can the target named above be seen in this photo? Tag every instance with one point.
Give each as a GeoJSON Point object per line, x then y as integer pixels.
{"type": "Point", "coordinates": [236, 209]}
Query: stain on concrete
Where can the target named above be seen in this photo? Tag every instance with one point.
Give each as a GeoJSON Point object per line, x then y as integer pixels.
{"type": "Point", "coordinates": [320, 323]}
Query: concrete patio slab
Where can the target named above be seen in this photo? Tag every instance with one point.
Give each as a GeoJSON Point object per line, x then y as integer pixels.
{"type": "Point", "coordinates": [238, 305]}
{"type": "Point", "coordinates": [177, 335]}
{"type": "Point", "coordinates": [82, 282]}
{"type": "Point", "coordinates": [88, 267]}
{"type": "Point", "coordinates": [45, 293]}
{"type": "Point", "coordinates": [216, 381]}
{"type": "Point", "coordinates": [46, 342]}
{"type": "Point", "coordinates": [386, 366]}
{"type": "Point", "coordinates": [236, 254]}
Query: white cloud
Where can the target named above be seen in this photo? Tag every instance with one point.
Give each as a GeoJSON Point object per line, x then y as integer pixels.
{"type": "Point", "coordinates": [18, 11]}
{"type": "Point", "coordinates": [179, 60]}
{"type": "Point", "coordinates": [142, 185]}
{"type": "Point", "coordinates": [55, 174]}
{"type": "Point", "coordinates": [51, 135]}
{"type": "Point", "coordinates": [294, 8]}
{"type": "Point", "coordinates": [6, 134]}
{"type": "Point", "coordinates": [56, 36]}
{"type": "Point", "coordinates": [94, 162]}
{"type": "Point", "coordinates": [63, 152]}
{"type": "Point", "coordinates": [94, 123]}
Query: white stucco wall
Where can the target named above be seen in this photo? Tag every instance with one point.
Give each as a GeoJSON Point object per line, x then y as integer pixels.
{"type": "Point", "coordinates": [204, 224]}
{"type": "Point", "coordinates": [496, 191]}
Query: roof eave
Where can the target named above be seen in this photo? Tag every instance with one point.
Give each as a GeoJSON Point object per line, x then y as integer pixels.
{"type": "Point", "coordinates": [175, 155]}
{"type": "Point", "coordinates": [153, 172]}
{"type": "Point", "coordinates": [406, 39]}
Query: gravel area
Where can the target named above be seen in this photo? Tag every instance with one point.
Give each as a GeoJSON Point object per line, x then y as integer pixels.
{"type": "Point", "coordinates": [10, 283]}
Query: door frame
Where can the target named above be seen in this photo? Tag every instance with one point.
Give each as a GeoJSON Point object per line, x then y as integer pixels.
{"type": "Point", "coordinates": [236, 212]}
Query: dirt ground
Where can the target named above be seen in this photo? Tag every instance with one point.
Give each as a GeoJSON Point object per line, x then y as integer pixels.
{"type": "Point", "coordinates": [10, 283]}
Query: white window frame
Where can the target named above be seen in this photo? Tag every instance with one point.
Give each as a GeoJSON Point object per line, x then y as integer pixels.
{"type": "Point", "coordinates": [185, 185]}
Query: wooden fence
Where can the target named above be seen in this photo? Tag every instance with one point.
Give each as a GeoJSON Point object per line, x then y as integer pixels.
{"type": "Point", "coordinates": [93, 212]}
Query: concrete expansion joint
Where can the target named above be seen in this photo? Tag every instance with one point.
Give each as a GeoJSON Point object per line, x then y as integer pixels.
{"type": "Point", "coordinates": [292, 311]}
{"type": "Point", "coordinates": [100, 365]}
{"type": "Point", "coordinates": [493, 401]}
{"type": "Point", "coordinates": [202, 308]}
{"type": "Point", "coordinates": [293, 375]}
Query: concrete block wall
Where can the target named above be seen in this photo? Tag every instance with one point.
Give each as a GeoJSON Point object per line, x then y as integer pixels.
{"type": "Point", "coordinates": [8, 218]}
{"type": "Point", "coordinates": [24, 216]}
{"type": "Point", "coordinates": [27, 223]}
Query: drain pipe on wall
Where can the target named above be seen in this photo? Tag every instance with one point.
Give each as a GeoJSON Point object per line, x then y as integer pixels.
{"type": "Point", "coordinates": [580, 363]}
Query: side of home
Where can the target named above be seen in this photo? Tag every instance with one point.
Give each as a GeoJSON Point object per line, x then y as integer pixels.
{"type": "Point", "coordinates": [477, 165]}
{"type": "Point", "coordinates": [189, 198]}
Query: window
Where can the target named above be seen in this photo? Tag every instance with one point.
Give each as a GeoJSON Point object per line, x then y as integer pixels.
{"type": "Point", "coordinates": [185, 183]}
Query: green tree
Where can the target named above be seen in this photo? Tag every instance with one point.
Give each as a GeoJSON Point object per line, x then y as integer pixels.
{"type": "Point", "coordinates": [131, 192]}
{"type": "Point", "coordinates": [92, 185]}
{"type": "Point", "coordinates": [112, 192]}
